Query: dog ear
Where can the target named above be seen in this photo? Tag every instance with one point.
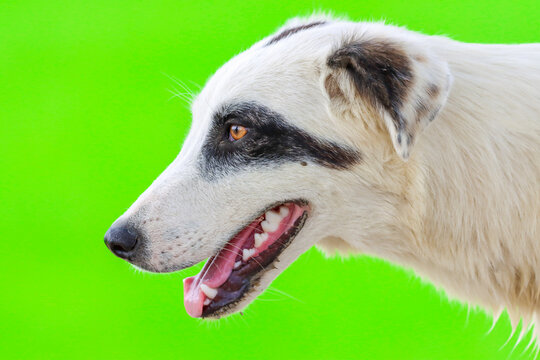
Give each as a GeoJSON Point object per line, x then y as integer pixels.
{"type": "Point", "coordinates": [410, 87]}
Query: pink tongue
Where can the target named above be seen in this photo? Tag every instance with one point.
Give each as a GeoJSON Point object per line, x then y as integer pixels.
{"type": "Point", "coordinates": [215, 272]}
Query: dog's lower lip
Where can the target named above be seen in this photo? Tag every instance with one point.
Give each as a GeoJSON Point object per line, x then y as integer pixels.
{"type": "Point", "coordinates": [229, 274]}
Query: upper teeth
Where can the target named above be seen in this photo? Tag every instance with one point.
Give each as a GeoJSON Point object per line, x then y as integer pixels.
{"type": "Point", "coordinates": [260, 238]}
{"type": "Point", "coordinates": [208, 291]}
{"type": "Point", "coordinates": [273, 216]}
{"type": "Point", "coordinates": [269, 227]}
{"type": "Point", "coordinates": [271, 222]}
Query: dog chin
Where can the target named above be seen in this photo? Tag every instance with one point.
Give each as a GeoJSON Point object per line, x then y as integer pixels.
{"type": "Point", "coordinates": [162, 269]}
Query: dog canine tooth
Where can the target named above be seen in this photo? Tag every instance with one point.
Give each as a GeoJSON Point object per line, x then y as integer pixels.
{"type": "Point", "coordinates": [207, 302]}
{"type": "Point", "coordinates": [208, 291]}
{"type": "Point", "coordinates": [260, 239]}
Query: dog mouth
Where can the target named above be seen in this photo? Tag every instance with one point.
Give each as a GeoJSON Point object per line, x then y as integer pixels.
{"type": "Point", "coordinates": [229, 275]}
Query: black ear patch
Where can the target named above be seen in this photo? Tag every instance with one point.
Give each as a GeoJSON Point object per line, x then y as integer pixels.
{"type": "Point", "coordinates": [410, 83]}
{"type": "Point", "coordinates": [288, 32]}
{"type": "Point", "coordinates": [381, 72]}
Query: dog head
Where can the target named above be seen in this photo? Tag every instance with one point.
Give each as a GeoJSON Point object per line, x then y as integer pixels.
{"type": "Point", "coordinates": [299, 140]}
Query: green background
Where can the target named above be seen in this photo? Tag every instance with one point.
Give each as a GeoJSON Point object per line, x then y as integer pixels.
{"type": "Point", "coordinates": [87, 122]}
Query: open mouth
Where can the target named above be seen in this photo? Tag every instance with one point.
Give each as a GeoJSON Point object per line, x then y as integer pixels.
{"type": "Point", "coordinates": [228, 276]}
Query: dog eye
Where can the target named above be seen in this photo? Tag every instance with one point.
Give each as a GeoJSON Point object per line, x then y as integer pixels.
{"type": "Point", "coordinates": [236, 132]}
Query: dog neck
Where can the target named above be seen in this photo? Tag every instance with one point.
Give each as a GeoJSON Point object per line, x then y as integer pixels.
{"type": "Point", "coordinates": [464, 212]}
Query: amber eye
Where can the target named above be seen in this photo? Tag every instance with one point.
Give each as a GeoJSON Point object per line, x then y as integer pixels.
{"type": "Point", "coordinates": [236, 132]}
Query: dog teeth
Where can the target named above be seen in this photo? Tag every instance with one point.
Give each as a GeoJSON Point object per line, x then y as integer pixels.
{"type": "Point", "coordinates": [269, 227]}
{"type": "Point", "coordinates": [272, 216]}
{"type": "Point", "coordinates": [208, 291]}
{"type": "Point", "coordinates": [260, 239]}
{"type": "Point", "coordinates": [247, 253]}
{"type": "Point", "coordinates": [269, 224]}
{"type": "Point", "coordinates": [272, 220]}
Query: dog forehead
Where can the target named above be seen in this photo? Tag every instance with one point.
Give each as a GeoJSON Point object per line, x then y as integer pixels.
{"type": "Point", "coordinates": [283, 76]}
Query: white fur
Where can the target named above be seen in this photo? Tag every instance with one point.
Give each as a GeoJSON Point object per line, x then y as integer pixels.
{"type": "Point", "coordinates": [462, 211]}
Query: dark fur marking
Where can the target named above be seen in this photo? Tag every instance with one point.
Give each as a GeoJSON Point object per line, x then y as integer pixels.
{"type": "Point", "coordinates": [270, 141]}
{"type": "Point", "coordinates": [288, 32]}
{"type": "Point", "coordinates": [421, 110]}
{"type": "Point", "coordinates": [420, 58]}
{"type": "Point", "coordinates": [332, 88]}
{"type": "Point", "coordinates": [433, 90]}
{"type": "Point", "coordinates": [433, 114]}
{"type": "Point", "coordinates": [380, 71]}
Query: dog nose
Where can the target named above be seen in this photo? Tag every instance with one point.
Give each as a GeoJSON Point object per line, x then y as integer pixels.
{"type": "Point", "coordinates": [122, 241]}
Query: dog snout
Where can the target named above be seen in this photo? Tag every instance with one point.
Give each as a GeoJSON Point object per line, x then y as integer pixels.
{"type": "Point", "coordinates": [122, 241]}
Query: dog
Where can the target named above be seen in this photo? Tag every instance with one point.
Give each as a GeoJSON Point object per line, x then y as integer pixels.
{"type": "Point", "coordinates": [358, 138]}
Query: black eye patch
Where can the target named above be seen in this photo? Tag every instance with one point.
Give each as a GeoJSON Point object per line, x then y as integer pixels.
{"type": "Point", "coordinates": [269, 141]}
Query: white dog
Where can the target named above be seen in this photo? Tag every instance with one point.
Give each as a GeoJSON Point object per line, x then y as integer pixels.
{"type": "Point", "coordinates": [357, 138]}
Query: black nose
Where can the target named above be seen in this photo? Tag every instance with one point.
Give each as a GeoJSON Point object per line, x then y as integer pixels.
{"type": "Point", "coordinates": [122, 241]}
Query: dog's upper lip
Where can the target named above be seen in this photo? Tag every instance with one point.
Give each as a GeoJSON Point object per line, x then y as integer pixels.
{"type": "Point", "coordinates": [253, 241]}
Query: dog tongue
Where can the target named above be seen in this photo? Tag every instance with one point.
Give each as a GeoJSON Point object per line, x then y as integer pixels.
{"type": "Point", "coordinates": [215, 272]}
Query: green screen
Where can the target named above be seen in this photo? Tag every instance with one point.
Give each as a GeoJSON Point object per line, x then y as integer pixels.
{"type": "Point", "coordinates": [87, 121]}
